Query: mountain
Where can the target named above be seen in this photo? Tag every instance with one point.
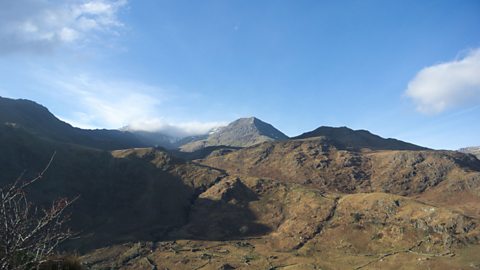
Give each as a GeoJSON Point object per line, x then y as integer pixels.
{"type": "Point", "coordinates": [334, 199]}
{"type": "Point", "coordinates": [305, 204]}
{"type": "Point", "coordinates": [155, 138]}
{"type": "Point", "coordinates": [474, 150]}
{"type": "Point", "coordinates": [242, 132]}
{"type": "Point", "coordinates": [38, 120]}
{"type": "Point", "coordinates": [344, 137]}
{"type": "Point", "coordinates": [318, 164]}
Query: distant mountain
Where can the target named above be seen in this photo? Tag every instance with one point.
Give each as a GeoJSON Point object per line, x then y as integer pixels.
{"type": "Point", "coordinates": [38, 120]}
{"type": "Point", "coordinates": [243, 132]}
{"type": "Point", "coordinates": [474, 150]}
{"type": "Point", "coordinates": [344, 137]}
{"type": "Point", "coordinates": [158, 138]}
{"type": "Point", "coordinates": [154, 138]}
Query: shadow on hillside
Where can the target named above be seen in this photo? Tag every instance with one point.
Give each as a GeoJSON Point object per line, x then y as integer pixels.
{"type": "Point", "coordinates": [225, 218]}
{"type": "Point", "coordinates": [121, 200]}
{"type": "Point", "coordinates": [177, 215]}
{"type": "Point", "coordinates": [204, 152]}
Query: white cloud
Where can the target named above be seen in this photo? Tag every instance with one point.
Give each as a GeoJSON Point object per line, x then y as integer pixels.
{"type": "Point", "coordinates": [447, 85]}
{"type": "Point", "coordinates": [174, 129]}
{"type": "Point", "coordinates": [35, 26]}
{"type": "Point", "coordinates": [99, 103]}
{"type": "Point", "coordinates": [107, 103]}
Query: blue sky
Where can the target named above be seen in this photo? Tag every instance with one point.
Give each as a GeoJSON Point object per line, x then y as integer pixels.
{"type": "Point", "coordinates": [403, 69]}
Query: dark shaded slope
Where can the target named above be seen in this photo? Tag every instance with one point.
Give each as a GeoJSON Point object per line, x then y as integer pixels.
{"type": "Point", "coordinates": [345, 138]}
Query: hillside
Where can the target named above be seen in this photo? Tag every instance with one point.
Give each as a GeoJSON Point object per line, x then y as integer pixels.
{"type": "Point", "coordinates": [318, 164]}
{"type": "Point", "coordinates": [112, 188]}
{"type": "Point", "coordinates": [243, 132]}
{"type": "Point", "coordinates": [255, 223]}
{"type": "Point", "coordinates": [346, 138]}
{"type": "Point", "coordinates": [304, 204]}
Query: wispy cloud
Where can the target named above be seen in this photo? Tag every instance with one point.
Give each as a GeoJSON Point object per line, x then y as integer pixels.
{"type": "Point", "coordinates": [105, 103]}
{"type": "Point", "coordinates": [447, 85]}
{"type": "Point", "coordinates": [39, 26]}
{"type": "Point", "coordinates": [174, 129]}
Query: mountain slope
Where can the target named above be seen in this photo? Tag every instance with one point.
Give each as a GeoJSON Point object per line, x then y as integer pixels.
{"type": "Point", "coordinates": [154, 139]}
{"type": "Point", "coordinates": [318, 164]}
{"type": "Point", "coordinates": [243, 132]}
{"type": "Point", "coordinates": [37, 120]}
{"type": "Point", "coordinates": [296, 227]}
{"type": "Point", "coordinates": [344, 137]}
{"type": "Point", "coordinates": [474, 150]}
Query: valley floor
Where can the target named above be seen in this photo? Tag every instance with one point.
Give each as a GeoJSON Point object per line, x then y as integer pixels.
{"type": "Point", "coordinates": [256, 254]}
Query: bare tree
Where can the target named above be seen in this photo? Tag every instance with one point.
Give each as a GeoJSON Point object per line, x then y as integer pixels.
{"type": "Point", "coordinates": [28, 234]}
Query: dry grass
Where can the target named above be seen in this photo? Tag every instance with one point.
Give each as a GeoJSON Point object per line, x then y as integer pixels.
{"type": "Point", "coordinates": [62, 262]}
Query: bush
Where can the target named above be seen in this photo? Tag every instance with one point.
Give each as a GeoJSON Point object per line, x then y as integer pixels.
{"type": "Point", "coordinates": [29, 235]}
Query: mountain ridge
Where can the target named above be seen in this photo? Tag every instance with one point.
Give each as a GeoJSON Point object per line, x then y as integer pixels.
{"type": "Point", "coordinates": [345, 137]}
{"type": "Point", "coordinates": [38, 120]}
{"type": "Point", "coordinates": [243, 132]}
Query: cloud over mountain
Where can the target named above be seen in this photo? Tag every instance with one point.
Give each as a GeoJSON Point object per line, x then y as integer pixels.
{"type": "Point", "coordinates": [99, 102]}
{"type": "Point", "coordinates": [447, 85]}
{"type": "Point", "coordinates": [181, 129]}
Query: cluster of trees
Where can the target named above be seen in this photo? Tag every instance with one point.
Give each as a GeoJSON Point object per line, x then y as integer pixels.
{"type": "Point", "coordinates": [29, 235]}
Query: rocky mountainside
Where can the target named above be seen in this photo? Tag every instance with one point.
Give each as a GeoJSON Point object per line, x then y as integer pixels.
{"type": "Point", "coordinates": [344, 138]}
{"type": "Point", "coordinates": [36, 119]}
{"type": "Point", "coordinates": [272, 218]}
{"type": "Point", "coordinates": [321, 165]}
{"type": "Point", "coordinates": [255, 223]}
{"type": "Point", "coordinates": [243, 132]}
{"type": "Point", "coordinates": [305, 204]}
{"type": "Point", "coordinates": [474, 150]}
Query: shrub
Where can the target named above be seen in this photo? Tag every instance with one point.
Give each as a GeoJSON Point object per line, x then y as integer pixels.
{"type": "Point", "coordinates": [29, 235]}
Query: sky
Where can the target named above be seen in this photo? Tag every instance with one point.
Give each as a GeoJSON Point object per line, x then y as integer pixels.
{"type": "Point", "coordinates": [403, 69]}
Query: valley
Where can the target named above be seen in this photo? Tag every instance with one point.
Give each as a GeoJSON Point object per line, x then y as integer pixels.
{"type": "Point", "coordinates": [249, 197]}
